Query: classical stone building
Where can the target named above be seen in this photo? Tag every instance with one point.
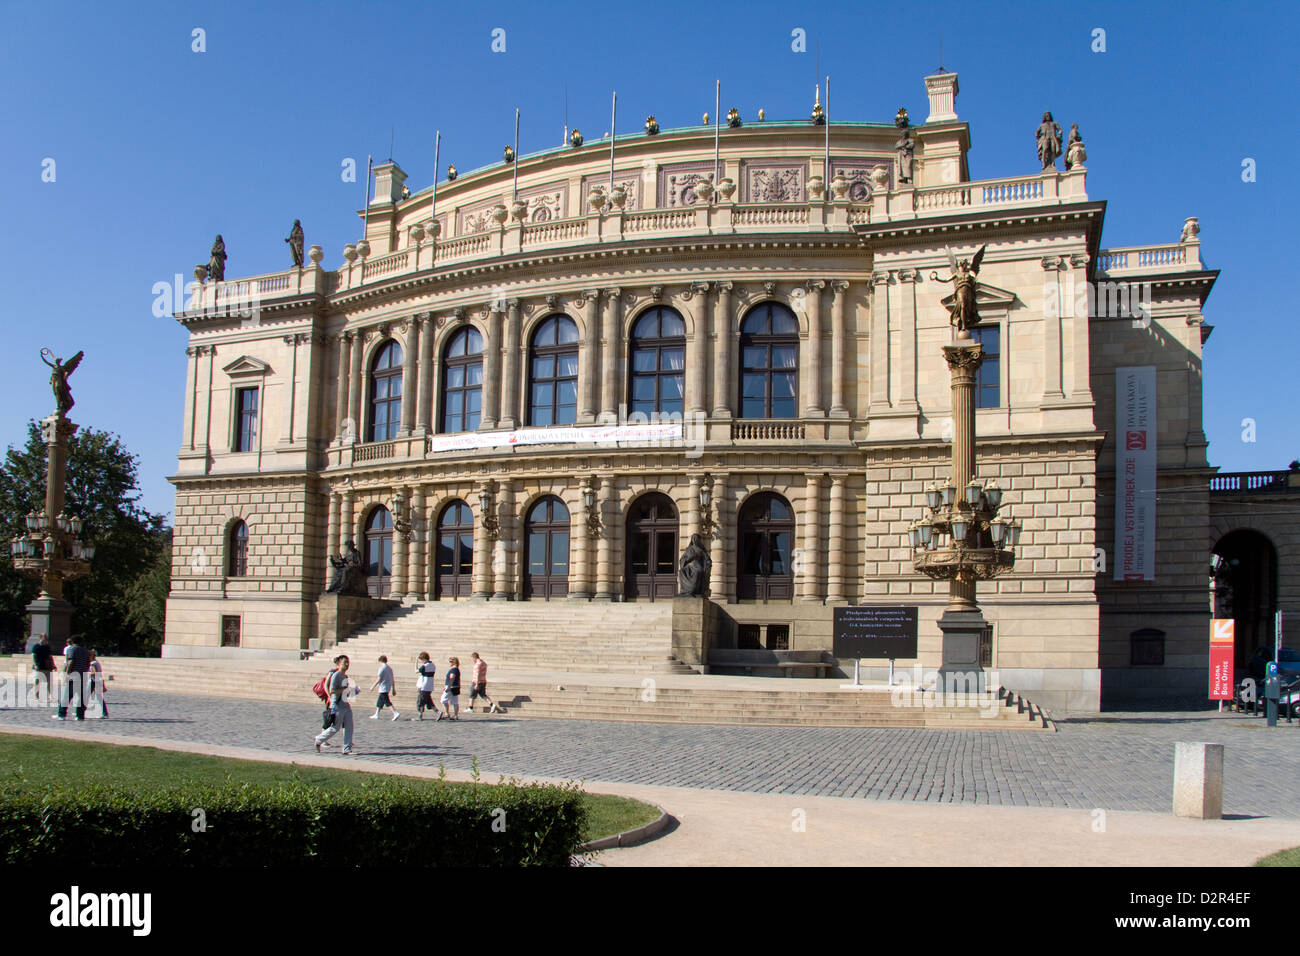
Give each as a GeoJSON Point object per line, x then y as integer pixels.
{"type": "Point", "coordinates": [541, 395]}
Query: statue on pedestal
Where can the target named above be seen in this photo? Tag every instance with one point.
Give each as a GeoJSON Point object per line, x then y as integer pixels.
{"type": "Point", "coordinates": [217, 260]}
{"type": "Point", "coordinates": [295, 241]}
{"type": "Point", "coordinates": [349, 574]}
{"type": "Point", "coordinates": [1049, 141]}
{"type": "Point", "coordinates": [964, 312]}
{"type": "Point", "coordinates": [905, 149]}
{"type": "Point", "coordinates": [693, 570]}
{"type": "Point", "coordinates": [59, 378]}
{"type": "Point", "coordinates": [1075, 154]}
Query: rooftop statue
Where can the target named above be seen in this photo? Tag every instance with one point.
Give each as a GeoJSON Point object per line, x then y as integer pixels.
{"type": "Point", "coordinates": [295, 242]}
{"type": "Point", "coordinates": [1049, 141]}
{"type": "Point", "coordinates": [217, 260]}
{"type": "Point", "coordinates": [963, 313]}
{"type": "Point", "coordinates": [59, 378]}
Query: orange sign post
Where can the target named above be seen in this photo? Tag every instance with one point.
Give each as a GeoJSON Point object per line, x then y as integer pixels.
{"type": "Point", "coordinates": [1222, 637]}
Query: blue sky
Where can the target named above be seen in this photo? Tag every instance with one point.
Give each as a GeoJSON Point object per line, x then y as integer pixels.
{"type": "Point", "coordinates": [157, 148]}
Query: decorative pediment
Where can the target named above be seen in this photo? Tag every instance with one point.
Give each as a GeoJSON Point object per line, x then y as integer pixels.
{"type": "Point", "coordinates": [989, 296]}
{"type": "Point", "coordinates": [246, 366]}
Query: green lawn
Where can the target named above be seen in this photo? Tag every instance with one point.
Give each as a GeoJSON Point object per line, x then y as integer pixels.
{"type": "Point", "coordinates": [33, 761]}
{"type": "Point", "coordinates": [1281, 858]}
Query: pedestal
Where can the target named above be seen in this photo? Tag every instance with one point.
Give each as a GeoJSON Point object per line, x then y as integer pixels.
{"type": "Point", "coordinates": [960, 671]}
{"type": "Point", "coordinates": [50, 616]}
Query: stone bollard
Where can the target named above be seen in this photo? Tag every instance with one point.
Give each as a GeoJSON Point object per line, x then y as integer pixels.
{"type": "Point", "coordinates": [1198, 781]}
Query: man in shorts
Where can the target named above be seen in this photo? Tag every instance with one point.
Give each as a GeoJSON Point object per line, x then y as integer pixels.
{"type": "Point", "coordinates": [387, 684]}
{"type": "Point", "coordinates": [478, 685]}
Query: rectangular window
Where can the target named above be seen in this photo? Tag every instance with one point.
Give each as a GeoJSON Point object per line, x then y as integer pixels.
{"type": "Point", "coordinates": [778, 637]}
{"type": "Point", "coordinates": [230, 630]}
{"type": "Point", "coordinates": [747, 637]}
{"type": "Point", "coordinates": [988, 394]}
{"type": "Point", "coordinates": [245, 419]}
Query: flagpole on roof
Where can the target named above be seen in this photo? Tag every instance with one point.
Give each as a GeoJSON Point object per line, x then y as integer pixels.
{"type": "Point", "coordinates": [829, 173]}
{"type": "Point", "coordinates": [433, 202]}
{"type": "Point", "coordinates": [717, 108]}
{"type": "Point", "coordinates": [369, 163]}
{"type": "Point", "coordinates": [613, 112]}
{"type": "Point", "coordinates": [514, 182]}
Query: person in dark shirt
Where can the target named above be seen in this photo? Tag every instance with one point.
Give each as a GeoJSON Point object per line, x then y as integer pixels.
{"type": "Point", "coordinates": [76, 665]}
{"type": "Point", "coordinates": [43, 665]}
{"type": "Point", "coordinates": [451, 690]}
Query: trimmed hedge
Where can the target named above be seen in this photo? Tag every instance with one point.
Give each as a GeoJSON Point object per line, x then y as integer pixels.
{"type": "Point", "coordinates": [380, 823]}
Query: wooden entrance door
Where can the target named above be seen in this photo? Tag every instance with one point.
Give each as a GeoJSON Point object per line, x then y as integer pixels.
{"type": "Point", "coordinates": [651, 571]}
{"type": "Point", "coordinates": [546, 563]}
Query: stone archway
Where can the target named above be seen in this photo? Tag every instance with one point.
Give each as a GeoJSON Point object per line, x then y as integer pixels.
{"type": "Point", "coordinates": [1245, 589]}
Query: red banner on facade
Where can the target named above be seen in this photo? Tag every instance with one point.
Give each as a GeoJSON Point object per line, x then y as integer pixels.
{"type": "Point", "coordinates": [1221, 654]}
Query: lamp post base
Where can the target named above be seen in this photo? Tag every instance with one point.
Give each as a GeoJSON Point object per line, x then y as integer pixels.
{"type": "Point", "coordinates": [960, 671]}
{"type": "Point", "coordinates": [52, 616]}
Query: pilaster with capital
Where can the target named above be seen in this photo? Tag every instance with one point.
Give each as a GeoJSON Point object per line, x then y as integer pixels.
{"type": "Point", "coordinates": [609, 354]}
{"type": "Point", "coordinates": [191, 397]}
{"type": "Point", "coordinates": [835, 546]}
{"type": "Point", "coordinates": [347, 519]}
{"type": "Point", "coordinates": [341, 398]}
{"type": "Point", "coordinates": [812, 380]}
{"type": "Point", "coordinates": [722, 351]}
{"type": "Point", "coordinates": [410, 374]}
{"type": "Point", "coordinates": [506, 543]}
{"type": "Point", "coordinates": [604, 550]}
{"type": "Point", "coordinates": [332, 529]}
{"type": "Point", "coordinates": [354, 387]}
{"type": "Point", "coordinates": [907, 398]}
{"type": "Point", "coordinates": [509, 417]}
{"type": "Point", "coordinates": [878, 345]}
{"type": "Point", "coordinates": [420, 531]}
{"type": "Point", "coordinates": [401, 545]}
{"type": "Point", "coordinates": [1080, 357]}
{"type": "Point", "coordinates": [719, 585]}
{"type": "Point", "coordinates": [580, 551]}
{"type": "Point", "coordinates": [424, 391]}
{"type": "Point", "coordinates": [698, 345]}
{"type": "Point", "coordinates": [839, 347]}
{"type": "Point", "coordinates": [1053, 360]}
{"type": "Point", "coordinates": [481, 573]}
{"type": "Point", "coordinates": [588, 387]}
{"type": "Point", "coordinates": [492, 369]}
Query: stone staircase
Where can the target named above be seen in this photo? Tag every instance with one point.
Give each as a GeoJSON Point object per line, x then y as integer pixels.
{"type": "Point", "coordinates": [523, 635]}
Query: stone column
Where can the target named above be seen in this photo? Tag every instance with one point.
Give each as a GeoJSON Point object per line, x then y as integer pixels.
{"type": "Point", "coordinates": [410, 374]}
{"type": "Point", "coordinates": [878, 345]}
{"type": "Point", "coordinates": [341, 399]}
{"type": "Point", "coordinates": [722, 374]}
{"type": "Point", "coordinates": [1080, 361]}
{"type": "Point", "coordinates": [835, 549]}
{"type": "Point", "coordinates": [482, 573]}
{"type": "Point", "coordinates": [1052, 358]}
{"type": "Point", "coordinates": [354, 386]}
{"type": "Point", "coordinates": [604, 566]}
{"type": "Point", "coordinates": [839, 349]}
{"type": "Point", "coordinates": [503, 549]}
{"type": "Point", "coordinates": [697, 356]}
{"type": "Point", "coordinates": [907, 399]}
{"type": "Point", "coordinates": [811, 372]}
{"type": "Point", "coordinates": [401, 545]}
{"type": "Point", "coordinates": [347, 519]}
{"type": "Point", "coordinates": [610, 359]}
{"type": "Point", "coordinates": [510, 417]}
{"type": "Point", "coordinates": [810, 520]}
{"type": "Point", "coordinates": [420, 530]}
{"type": "Point", "coordinates": [692, 511]}
{"type": "Point", "coordinates": [580, 555]}
{"type": "Point", "coordinates": [588, 387]}
{"type": "Point", "coordinates": [191, 394]}
{"type": "Point", "coordinates": [332, 530]}
{"type": "Point", "coordinates": [424, 400]}
{"type": "Point", "coordinates": [492, 370]}
{"type": "Point", "coordinates": [718, 552]}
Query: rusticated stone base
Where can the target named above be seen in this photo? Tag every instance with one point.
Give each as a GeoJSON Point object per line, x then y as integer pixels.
{"type": "Point", "coordinates": [338, 616]}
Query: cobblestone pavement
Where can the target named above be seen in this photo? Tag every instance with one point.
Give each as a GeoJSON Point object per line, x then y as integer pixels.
{"type": "Point", "coordinates": [1115, 762]}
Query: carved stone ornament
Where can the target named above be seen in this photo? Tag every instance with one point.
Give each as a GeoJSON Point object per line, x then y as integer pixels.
{"type": "Point", "coordinates": [695, 287]}
{"type": "Point", "coordinates": [553, 302]}
{"type": "Point", "coordinates": [769, 288]}
{"type": "Point", "coordinates": [656, 293]}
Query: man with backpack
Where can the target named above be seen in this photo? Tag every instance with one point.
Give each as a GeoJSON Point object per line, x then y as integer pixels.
{"type": "Point", "coordinates": [338, 689]}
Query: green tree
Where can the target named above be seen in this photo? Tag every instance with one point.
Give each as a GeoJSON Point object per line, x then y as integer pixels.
{"type": "Point", "coordinates": [102, 490]}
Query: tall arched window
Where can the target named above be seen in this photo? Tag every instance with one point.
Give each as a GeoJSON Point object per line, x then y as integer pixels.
{"type": "Point", "coordinates": [546, 562]}
{"type": "Point", "coordinates": [379, 552]}
{"type": "Point", "coordinates": [237, 550]}
{"type": "Point", "coordinates": [462, 381]}
{"type": "Point", "coordinates": [766, 537]}
{"type": "Point", "coordinates": [386, 392]}
{"type": "Point", "coordinates": [769, 349]}
{"type": "Point", "coordinates": [658, 358]}
{"type": "Point", "coordinates": [553, 373]}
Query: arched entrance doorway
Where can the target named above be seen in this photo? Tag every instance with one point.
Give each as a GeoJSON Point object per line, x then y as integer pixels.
{"type": "Point", "coordinates": [454, 567]}
{"type": "Point", "coordinates": [1245, 589]}
{"type": "Point", "coordinates": [766, 538]}
{"type": "Point", "coordinates": [546, 561]}
{"type": "Point", "coordinates": [379, 552]}
{"type": "Point", "coordinates": [651, 572]}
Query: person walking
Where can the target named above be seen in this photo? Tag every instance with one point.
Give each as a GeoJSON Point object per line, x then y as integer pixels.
{"type": "Point", "coordinates": [478, 684]}
{"type": "Point", "coordinates": [387, 684]}
{"type": "Point", "coordinates": [339, 688]}
{"type": "Point", "coordinates": [451, 690]}
{"type": "Point", "coordinates": [425, 669]}
{"type": "Point", "coordinates": [97, 688]}
{"type": "Point", "coordinates": [43, 665]}
{"type": "Point", "coordinates": [76, 665]}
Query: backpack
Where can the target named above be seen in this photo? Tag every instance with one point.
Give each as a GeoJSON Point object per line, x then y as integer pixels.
{"type": "Point", "coordinates": [319, 688]}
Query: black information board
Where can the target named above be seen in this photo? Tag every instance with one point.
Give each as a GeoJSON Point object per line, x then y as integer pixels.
{"type": "Point", "coordinates": [875, 631]}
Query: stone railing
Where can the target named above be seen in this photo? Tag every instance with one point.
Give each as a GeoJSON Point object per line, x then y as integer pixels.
{"type": "Point", "coordinates": [385, 265]}
{"type": "Point", "coordinates": [767, 431]}
{"type": "Point", "coordinates": [1170, 257]}
{"type": "Point", "coordinates": [1047, 189]}
{"type": "Point", "coordinates": [659, 220]}
{"type": "Point", "coordinates": [1256, 483]}
{"type": "Point", "coordinates": [783, 215]}
{"type": "Point", "coordinates": [375, 451]}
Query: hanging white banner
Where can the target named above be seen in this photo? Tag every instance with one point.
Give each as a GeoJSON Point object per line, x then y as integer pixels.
{"type": "Point", "coordinates": [1135, 473]}
{"type": "Point", "coordinates": [652, 432]}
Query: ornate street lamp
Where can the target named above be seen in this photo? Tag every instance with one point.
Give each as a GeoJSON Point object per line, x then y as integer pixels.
{"type": "Point", "coordinates": [487, 511]}
{"type": "Point", "coordinates": [594, 524]}
{"type": "Point", "coordinates": [707, 524]}
{"type": "Point", "coordinates": [53, 549]}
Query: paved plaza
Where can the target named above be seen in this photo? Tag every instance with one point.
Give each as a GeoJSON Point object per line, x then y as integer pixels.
{"type": "Point", "coordinates": [1120, 762]}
